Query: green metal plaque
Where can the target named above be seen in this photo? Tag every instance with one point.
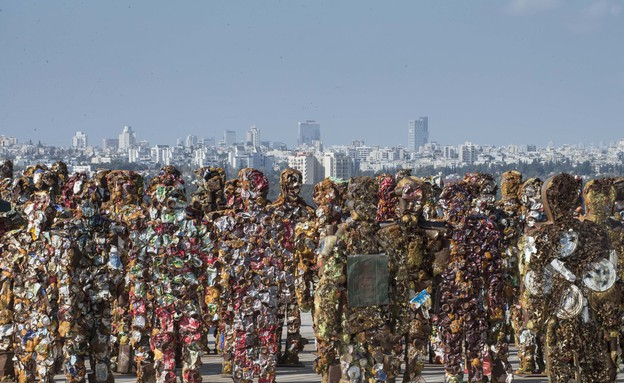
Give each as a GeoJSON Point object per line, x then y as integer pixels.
{"type": "Point", "coordinates": [367, 280]}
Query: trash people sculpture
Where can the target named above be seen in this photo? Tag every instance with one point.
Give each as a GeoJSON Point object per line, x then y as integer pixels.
{"type": "Point", "coordinates": [250, 281]}
{"type": "Point", "coordinates": [329, 200]}
{"type": "Point", "coordinates": [364, 304]}
{"type": "Point", "coordinates": [508, 216]}
{"type": "Point", "coordinates": [526, 317]}
{"type": "Point", "coordinates": [407, 242]}
{"type": "Point", "coordinates": [600, 196]}
{"type": "Point", "coordinates": [38, 267]}
{"type": "Point", "coordinates": [176, 267]}
{"type": "Point", "coordinates": [290, 212]}
{"type": "Point", "coordinates": [568, 275]}
{"type": "Point", "coordinates": [89, 283]}
{"type": "Point", "coordinates": [471, 314]}
{"type": "Point", "coordinates": [206, 204]}
{"type": "Point", "coordinates": [122, 192]}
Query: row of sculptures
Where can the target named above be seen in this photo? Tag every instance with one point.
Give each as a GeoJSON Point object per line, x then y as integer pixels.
{"type": "Point", "coordinates": [133, 276]}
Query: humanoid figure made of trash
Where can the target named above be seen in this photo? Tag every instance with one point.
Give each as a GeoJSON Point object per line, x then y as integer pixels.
{"type": "Point", "coordinates": [223, 247]}
{"type": "Point", "coordinates": [133, 306]}
{"type": "Point", "coordinates": [41, 259]}
{"type": "Point", "coordinates": [10, 221]}
{"type": "Point", "coordinates": [600, 196]}
{"type": "Point", "coordinates": [250, 281]}
{"type": "Point", "coordinates": [527, 322]}
{"type": "Point", "coordinates": [92, 282]}
{"type": "Point", "coordinates": [329, 200]}
{"type": "Point", "coordinates": [569, 276]}
{"type": "Point", "coordinates": [616, 233]}
{"type": "Point", "coordinates": [362, 294]}
{"type": "Point", "coordinates": [122, 205]}
{"type": "Point", "coordinates": [207, 203]}
{"type": "Point", "coordinates": [471, 314]}
{"type": "Point", "coordinates": [176, 268]}
{"type": "Point", "coordinates": [290, 214]}
{"type": "Point", "coordinates": [410, 245]}
{"type": "Point", "coordinates": [508, 215]}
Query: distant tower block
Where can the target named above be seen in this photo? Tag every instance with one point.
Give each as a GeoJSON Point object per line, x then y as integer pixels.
{"type": "Point", "coordinates": [79, 141]}
{"type": "Point", "coordinates": [417, 133]}
{"type": "Point", "coordinates": [229, 137]}
{"type": "Point", "coordinates": [127, 138]}
{"type": "Point", "coordinates": [309, 132]}
{"type": "Point", "coordinates": [253, 136]}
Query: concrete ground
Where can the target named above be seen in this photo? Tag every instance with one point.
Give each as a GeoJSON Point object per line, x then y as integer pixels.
{"type": "Point", "coordinates": [212, 367]}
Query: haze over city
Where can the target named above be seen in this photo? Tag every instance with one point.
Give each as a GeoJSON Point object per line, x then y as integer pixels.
{"type": "Point", "coordinates": [492, 72]}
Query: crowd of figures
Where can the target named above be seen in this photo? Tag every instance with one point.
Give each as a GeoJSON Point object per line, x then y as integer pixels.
{"type": "Point", "coordinates": [135, 277]}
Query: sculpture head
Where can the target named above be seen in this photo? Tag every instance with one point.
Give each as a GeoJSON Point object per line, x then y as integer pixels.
{"type": "Point", "coordinates": [561, 196]}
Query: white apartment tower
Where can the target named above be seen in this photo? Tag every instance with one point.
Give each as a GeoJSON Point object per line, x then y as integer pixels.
{"type": "Point", "coordinates": [468, 153]}
{"type": "Point", "coordinates": [79, 141]}
{"type": "Point", "coordinates": [417, 133]}
{"type": "Point", "coordinates": [308, 165]}
{"type": "Point", "coordinates": [127, 139]}
{"type": "Point", "coordinates": [253, 136]}
{"type": "Point", "coordinates": [7, 141]}
{"type": "Point", "coordinates": [191, 141]}
{"type": "Point", "coordinates": [338, 165]}
{"type": "Point", "coordinates": [161, 154]}
{"type": "Point", "coordinates": [449, 152]}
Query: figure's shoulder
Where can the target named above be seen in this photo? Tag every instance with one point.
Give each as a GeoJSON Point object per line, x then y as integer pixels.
{"type": "Point", "coordinates": [390, 228]}
{"type": "Point", "coordinates": [309, 210]}
{"type": "Point", "coordinates": [587, 225]}
{"type": "Point", "coordinates": [592, 232]}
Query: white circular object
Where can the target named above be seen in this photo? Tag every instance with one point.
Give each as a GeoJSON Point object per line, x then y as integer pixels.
{"type": "Point", "coordinates": [534, 287]}
{"type": "Point", "coordinates": [571, 303]}
{"type": "Point", "coordinates": [567, 243]}
{"type": "Point", "coordinates": [600, 276]}
{"type": "Point", "coordinates": [354, 373]}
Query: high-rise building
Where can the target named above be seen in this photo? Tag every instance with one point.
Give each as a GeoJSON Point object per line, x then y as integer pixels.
{"type": "Point", "coordinates": [253, 136]}
{"type": "Point", "coordinates": [277, 145]}
{"type": "Point", "coordinates": [133, 155]}
{"type": "Point", "coordinates": [467, 153]}
{"type": "Point", "coordinates": [417, 133]}
{"type": "Point", "coordinates": [309, 166]}
{"type": "Point", "coordinates": [161, 154]}
{"type": "Point", "coordinates": [127, 139]}
{"type": "Point", "coordinates": [309, 132]}
{"type": "Point", "coordinates": [338, 165]}
{"type": "Point", "coordinates": [79, 141]}
{"type": "Point", "coordinates": [7, 140]}
{"type": "Point", "coordinates": [450, 152]}
{"type": "Point", "coordinates": [110, 143]}
{"type": "Point", "coordinates": [246, 157]}
{"type": "Point", "coordinates": [191, 141]}
{"type": "Point", "coordinates": [208, 142]}
{"type": "Point", "coordinates": [229, 137]}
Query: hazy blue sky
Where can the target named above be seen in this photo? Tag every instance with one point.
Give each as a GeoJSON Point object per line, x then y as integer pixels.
{"type": "Point", "coordinates": [490, 72]}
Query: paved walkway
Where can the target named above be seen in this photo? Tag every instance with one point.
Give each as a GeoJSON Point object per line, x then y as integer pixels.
{"type": "Point", "coordinates": [212, 367]}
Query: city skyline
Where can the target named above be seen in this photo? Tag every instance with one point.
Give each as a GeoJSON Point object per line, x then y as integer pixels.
{"type": "Point", "coordinates": [315, 162]}
{"type": "Point", "coordinates": [517, 71]}
{"type": "Point", "coordinates": [128, 137]}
